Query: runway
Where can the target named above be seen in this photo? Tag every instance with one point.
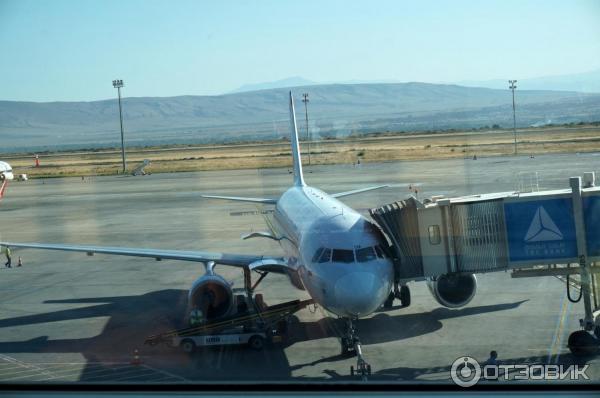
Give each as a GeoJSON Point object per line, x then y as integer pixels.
{"type": "Point", "coordinates": [70, 317]}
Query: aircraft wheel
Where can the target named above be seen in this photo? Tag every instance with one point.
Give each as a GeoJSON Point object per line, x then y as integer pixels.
{"type": "Point", "coordinates": [404, 296]}
{"type": "Point", "coordinates": [256, 342]}
{"type": "Point", "coordinates": [188, 346]}
{"type": "Point", "coordinates": [344, 343]}
{"type": "Point", "coordinates": [583, 343]}
{"type": "Point", "coordinates": [282, 327]}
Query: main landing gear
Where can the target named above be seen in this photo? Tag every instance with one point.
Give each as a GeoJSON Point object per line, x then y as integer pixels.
{"type": "Point", "coordinates": [351, 344]}
{"type": "Point", "coordinates": [401, 293]}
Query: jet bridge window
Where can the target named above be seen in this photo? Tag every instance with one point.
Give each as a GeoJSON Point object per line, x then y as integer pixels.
{"type": "Point", "coordinates": [365, 254]}
{"type": "Point", "coordinates": [343, 256]}
{"type": "Point", "coordinates": [434, 234]}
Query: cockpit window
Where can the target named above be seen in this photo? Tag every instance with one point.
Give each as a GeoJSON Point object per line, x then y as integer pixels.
{"type": "Point", "coordinates": [317, 254]}
{"type": "Point", "coordinates": [365, 254]}
{"type": "Point", "coordinates": [380, 251]}
{"type": "Point", "coordinates": [343, 256]}
{"type": "Point", "coordinates": [325, 256]}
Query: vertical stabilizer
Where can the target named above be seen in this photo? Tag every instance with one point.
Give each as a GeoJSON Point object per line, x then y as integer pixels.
{"type": "Point", "coordinates": [298, 177]}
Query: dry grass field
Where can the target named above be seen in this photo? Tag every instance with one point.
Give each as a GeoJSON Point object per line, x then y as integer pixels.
{"type": "Point", "coordinates": [367, 149]}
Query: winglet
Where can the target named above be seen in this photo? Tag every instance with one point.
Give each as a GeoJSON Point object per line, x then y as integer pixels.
{"type": "Point", "coordinates": [298, 177]}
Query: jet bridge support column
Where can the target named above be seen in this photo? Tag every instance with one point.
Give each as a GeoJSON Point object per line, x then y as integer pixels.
{"type": "Point", "coordinates": [588, 322]}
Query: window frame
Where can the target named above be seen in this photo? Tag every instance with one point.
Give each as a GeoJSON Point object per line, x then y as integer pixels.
{"type": "Point", "coordinates": [333, 251]}
{"type": "Point", "coordinates": [437, 234]}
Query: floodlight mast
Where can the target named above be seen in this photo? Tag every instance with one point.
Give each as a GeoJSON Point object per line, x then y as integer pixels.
{"type": "Point", "coordinates": [118, 84]}
{"type": "Point", "coordinates": [305, 100]}
{"type": "Point", "coordinates": [512, 85]}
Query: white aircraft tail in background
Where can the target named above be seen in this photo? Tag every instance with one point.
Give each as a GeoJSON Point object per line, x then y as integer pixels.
{"type": "Point", "coordinates": [6, 174]}
{"type": "Point", "coordinates": [140, 170]}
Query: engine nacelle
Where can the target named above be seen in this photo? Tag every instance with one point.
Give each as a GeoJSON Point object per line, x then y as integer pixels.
{"type": "Point", "coordinates": [453, 290]}
{"type": "Point", "coordinates": [212, 295]}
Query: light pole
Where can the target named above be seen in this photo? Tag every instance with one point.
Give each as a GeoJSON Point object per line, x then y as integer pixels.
{"type": "Point", "coordinates": [512, 85]}
{"type": "Point", "coordinates": [305, 100]}
{"type": "Point", "coordinates": [118, 84]}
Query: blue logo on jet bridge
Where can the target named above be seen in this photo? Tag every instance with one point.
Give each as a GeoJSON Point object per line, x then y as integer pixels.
{"type": "Point", "coordinates": [591, 217]}
{"type": "Point", "coordinates": [540, 230]}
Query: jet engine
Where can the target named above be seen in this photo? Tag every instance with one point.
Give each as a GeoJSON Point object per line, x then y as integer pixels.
{"type": "Point", "coordinates": [212, 295]}
{"type": "Point", "coordinates": [453, 290]}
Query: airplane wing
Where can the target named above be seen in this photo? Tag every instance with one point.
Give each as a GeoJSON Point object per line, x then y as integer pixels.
{"type": "Point", "coordinates": [242, 199]}
{"type": "Point", "coordinates": [348, 193]}
{"type": "Point", "coordinates": [266, 263]}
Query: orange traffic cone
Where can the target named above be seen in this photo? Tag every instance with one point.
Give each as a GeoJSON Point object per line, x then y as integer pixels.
{"type": "Point", "coordinates": [136, 358]}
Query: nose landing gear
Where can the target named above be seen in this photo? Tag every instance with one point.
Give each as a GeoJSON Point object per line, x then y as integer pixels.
{"type": "Point", "coordinates": [351, 343]}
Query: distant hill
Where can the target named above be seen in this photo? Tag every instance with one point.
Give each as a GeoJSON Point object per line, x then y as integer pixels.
{"type": "Point", "coordinates": [334, 110]}
{"type": "Point", "coordinates": [288, 82]}
{"type": "Point", "coordinates": [588, 82]}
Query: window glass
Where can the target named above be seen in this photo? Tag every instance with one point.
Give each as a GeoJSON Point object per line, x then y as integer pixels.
{"type": "Point", "coordinates": [434, 234]}
{"type": "Point", "coordinates": [380, 251]}
{"type": "Point", "coordinates": [343, 256]}
{"type": "Point", "coordinates": [317, 254]}
{"type": "Point", "coordinates": [326, 256]}
{"type": "Point", "coordinates": [365, 254]}
{"type": "Point", "coordinates": [179, 168]}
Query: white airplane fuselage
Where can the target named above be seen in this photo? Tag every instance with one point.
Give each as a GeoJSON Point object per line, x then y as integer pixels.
{"type": "Point", "coordinates": [336, 252]}
{"type": "Point", "coordinates": [6, 171]}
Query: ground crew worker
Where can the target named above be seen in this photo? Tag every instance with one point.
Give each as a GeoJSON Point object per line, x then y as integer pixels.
{"type": "Point", "coordinates": [8, 258]}
{"type": "Point", "coordinates": [493, 361]}
{"type": "Point", "coordinates": [196, 317]}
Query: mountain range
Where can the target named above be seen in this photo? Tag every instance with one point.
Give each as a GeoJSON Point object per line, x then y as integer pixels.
{"type": "Point", "coordinates": [588, 82]}
{"type": "Point", "coordinates": [334, 110]}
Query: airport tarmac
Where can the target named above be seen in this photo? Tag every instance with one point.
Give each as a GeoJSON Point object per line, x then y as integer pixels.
{"type": "Point", "coordinates": [69, 317]}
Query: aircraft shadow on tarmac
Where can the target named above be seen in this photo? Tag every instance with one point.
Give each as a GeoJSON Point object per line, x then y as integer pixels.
{"type": "Point", "coordinates": [132, 318]}
{"type": "Point", "coordinates": [441, 373]}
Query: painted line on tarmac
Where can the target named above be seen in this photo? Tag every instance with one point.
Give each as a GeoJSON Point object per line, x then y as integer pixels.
{"type": "Point", "coordinates": [141, 373]}
{"type": "Point", "coordinates": [558, 330]}
{"type": "Point", "coordinates": [31, 367]}
{"type": "Point", "coordinates": [99, 370]}
{"type": "Point", "coordinates": [180, 378]}
{"type": "Point", "coordinates": [561, 337]}
{"type": "Point", "coordinates": [108, 373]}
{"type": "Point", "coordinates": [84, 373]}
{"type": "Point", "coordinates": [124, 375]}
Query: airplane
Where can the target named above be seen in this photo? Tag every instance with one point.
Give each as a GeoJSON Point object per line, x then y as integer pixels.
{"type": "Point", "coordinates": [6, 174]}
{"type": "Point", "coordinates": [140, 170]}
{"type": "Point", "coordinates": [338, 256]}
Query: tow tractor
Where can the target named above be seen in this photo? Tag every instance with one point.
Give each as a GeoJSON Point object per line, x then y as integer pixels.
{"type": "Point", "coordinates": [252, 324]}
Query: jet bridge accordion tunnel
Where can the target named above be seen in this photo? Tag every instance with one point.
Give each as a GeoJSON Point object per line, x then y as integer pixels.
{"type": "Point", "coordinates": [531, 234]}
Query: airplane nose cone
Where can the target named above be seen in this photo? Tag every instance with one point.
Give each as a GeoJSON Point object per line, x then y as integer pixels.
{"type": "Point", "coordinates": [360, 293]}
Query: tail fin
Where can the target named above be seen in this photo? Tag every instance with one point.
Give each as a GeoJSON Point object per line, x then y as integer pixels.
{"type": "Point", "coordinates": [298, 177]}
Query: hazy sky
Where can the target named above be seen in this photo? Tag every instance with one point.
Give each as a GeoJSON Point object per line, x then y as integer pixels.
{"type": "Point", "coordinates": [72, 50]}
